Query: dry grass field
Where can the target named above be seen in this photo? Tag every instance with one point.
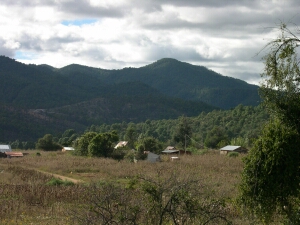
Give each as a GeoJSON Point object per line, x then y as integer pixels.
{"type": "Point", "coordinates": [27, 198]}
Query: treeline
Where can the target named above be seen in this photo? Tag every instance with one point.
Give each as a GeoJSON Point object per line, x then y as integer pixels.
{"type": "Point", "coordinates": [207, 129]}
{"type": "Point", "coordinates": [238, 126]}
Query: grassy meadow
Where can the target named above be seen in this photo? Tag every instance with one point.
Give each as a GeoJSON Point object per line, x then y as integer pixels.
{"type": "Point", "coordinates": [30, 194]}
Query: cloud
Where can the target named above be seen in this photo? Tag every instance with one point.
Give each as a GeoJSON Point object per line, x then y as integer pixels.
{"type": "Point", "coordinates": [222, 35]}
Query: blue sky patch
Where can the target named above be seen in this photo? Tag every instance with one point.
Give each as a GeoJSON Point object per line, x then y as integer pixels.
{"type": "Point", "coordinates": [24, 55]}
{"type": "Point", "coordinates": [78, 22]}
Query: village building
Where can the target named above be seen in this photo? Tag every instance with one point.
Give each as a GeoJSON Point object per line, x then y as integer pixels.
{"type": "Point", "coordinates": [173, 150]}
{"type": "Point", "coordinates": [232, 148]}
{"type": "Point", "coordinates": [121, 144]}
{"type": "Point", "coordinates": [151, 157]}
{"type": "Point", "coordinates": [68, 149]}
{"type": "Point", "coordinates": [6, 152]}
{"type": "Point", "coordinates": [5, 148]}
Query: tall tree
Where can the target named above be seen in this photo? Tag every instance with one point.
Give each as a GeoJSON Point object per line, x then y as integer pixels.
{"type": "Point", "coordinates": [183, 132]}
{"type": "Point", "coordinates": [281, 86]}
{"type": "Point", "coordinates": [270, 180]}
{"type": "Point", "coordinates": [47, 143]}
{"type": "Point", "coordinates": [131, 135]}
{"type": "Point", "coordinates": [81, 145]}
{"type": "Point", "coordinates": [102, 144]}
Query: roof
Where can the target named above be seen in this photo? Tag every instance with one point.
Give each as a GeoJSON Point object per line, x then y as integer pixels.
{"type": "Point", "coordinates": [170, 148]}
{"type": "Point", "coordinates": [5, 148]}
{"type": "Point", "coordinates": [121, 144]}
{"type": "Point", "coordinates": [170, 151]}
{"type": "Point", "coordinates": [69, 148]}
{"type": "Point", "coordinates": [14, 154]}
{"type": "Point", "coordinates": [230, 148]}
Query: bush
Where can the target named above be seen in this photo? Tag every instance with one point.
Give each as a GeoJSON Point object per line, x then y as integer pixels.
{"type": "Point", "coordinates": [233, 154]}
{"type": "Point", "coordinates": [58, 182]}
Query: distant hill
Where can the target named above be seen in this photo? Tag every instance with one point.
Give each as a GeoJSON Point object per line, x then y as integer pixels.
{"type": "Point", "coordinates": [38, 99]}
{"type": "Point", "coordinates": [181, 80]}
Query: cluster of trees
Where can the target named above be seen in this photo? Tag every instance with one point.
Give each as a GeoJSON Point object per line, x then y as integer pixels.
{"type": "Point", "coordinates": [271, 177]}
{"type": "Point", "coordinates": [210, 129]}
{"type": "Point", "coordinates": [238, 126]}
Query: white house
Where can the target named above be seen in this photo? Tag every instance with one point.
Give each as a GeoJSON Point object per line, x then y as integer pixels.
{"type": "Point", "coordinates": [68, 149]}
{"type": "Point", "coordinates": [5, 148]}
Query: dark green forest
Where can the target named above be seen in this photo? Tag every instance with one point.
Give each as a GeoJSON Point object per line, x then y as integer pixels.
{"type": "Point", "coordinates": [239, 126]}
{"type": "Point", "coordinates": [39, 99]}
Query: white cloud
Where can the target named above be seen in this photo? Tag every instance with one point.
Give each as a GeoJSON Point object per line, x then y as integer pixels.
{"type": "Point", "coordinates": [224, 36]}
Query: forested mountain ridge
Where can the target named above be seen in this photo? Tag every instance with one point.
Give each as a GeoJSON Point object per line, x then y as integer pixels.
{"type": "Point", "coordinates": [180, 80]}
{"type": "Point", "coordinates": [39, 99]}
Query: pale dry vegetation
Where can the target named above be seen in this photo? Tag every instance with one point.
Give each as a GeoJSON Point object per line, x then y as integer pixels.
{"type": "Point", "coordinates": [26, 198]}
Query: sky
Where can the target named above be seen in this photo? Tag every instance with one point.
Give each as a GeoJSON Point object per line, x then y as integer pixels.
{"type": "Point", "coordinates": [226, 36]}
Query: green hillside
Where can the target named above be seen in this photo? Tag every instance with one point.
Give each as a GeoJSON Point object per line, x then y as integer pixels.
{"type": "Point", "coordinates": [39, 99]}
{"type": "Point", "coordinates": [189, 82]}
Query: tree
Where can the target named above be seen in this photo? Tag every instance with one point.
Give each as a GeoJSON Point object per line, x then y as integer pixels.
{"type": "Point", "coordinates": [183, 133]}
{"type": "Point", "coordinates": [271, 175]}
{"type": "Point", "coordinates": [102, 144]}
{"type": "Point", "coordinates": [281, 87]}
{"type": "Point", "coordinates": [68, 137]}
{"type": "Point", "coordinates": [215, 136]}
{"type": "Point", "coordinates": [152, 144]}
{"type": "Point", "coordinates": [270, 180]}
{"type": "Point", "coordinates": [46, 143]}
{"type": "Point", "coordinates": [131, 135]}
{"type": "Point", "coordinates": [81, 145]}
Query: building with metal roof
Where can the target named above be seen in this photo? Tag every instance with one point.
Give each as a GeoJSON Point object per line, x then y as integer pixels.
{"type": "Point", "coordinates": [232, 148]}
{"type": "Point", "coordinates": [5, 148]}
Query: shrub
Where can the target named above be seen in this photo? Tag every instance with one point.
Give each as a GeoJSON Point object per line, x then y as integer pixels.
{"type": "Point", "coordinates": [233, 154]}
{"type": "Point", "coordinates": [58, 182]}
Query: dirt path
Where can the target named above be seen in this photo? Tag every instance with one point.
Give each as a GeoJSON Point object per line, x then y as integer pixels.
{"type": "Point", "coordinates": [75, 181]}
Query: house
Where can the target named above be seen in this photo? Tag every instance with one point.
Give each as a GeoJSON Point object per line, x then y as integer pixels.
{"type": "Point", "coordinates": [232, 148]}
{"type": "Point", "coordinates": [151, 157]}
{"type": "Point", "coordinates": [68, 149]}
{"type": "Point", "coordinates": [121, 144]}
{"type": "Point", "coordinates": [170, 148]}
{"type": "Point", "coordinates": [173, 150]}
{"type": "Point", "coordinates": [5, 148]}
{"type": "Point", "coordinates": [167, 151]}
{"type": "Point", "coordinates": [14, 154]}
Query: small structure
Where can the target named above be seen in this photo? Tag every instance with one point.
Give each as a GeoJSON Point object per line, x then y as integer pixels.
{"type": "Point", "coordinates": [121, 144]}
{"type": "Point", "coordinates": [170, 148]}
{"type": "Point", "coordinates": [5, 148]}
{"type": "Point", "coordinates": [151, 157]}
{"type": "Point", "coordinates": [68, 149]}
{"type": "Point", "coordinates": [14, 154]}
{"type": "Point", "coordinates": [232, 148]}
{"type": "Point", "coordinates": [167, 151]}
{"type": "Point", "coordinates": [173, 150]}
{"type": "Point", "coordinates": [174, 158]}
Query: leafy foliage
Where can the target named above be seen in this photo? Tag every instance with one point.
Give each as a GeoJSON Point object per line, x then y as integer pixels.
{"type": "Point", "coordinates": [281, 89]}
{"type": "Point", "coordinates": [96, 144]}
{"type": "Point", "coordinates": [270, 180]}
{"type": "Point", "coordinates": [243, 122]}
{"type": "Point", "coordinates": [271, 175]}
{"type": "Point", "coordinates": [183, 132]}
{"type": "Point", "coordinates": [46, 143]}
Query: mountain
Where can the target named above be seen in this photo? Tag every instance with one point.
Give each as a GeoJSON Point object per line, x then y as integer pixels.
{"type": "Point", "coordinates": [40, 99]}
{"type": "Point", "coordinates": [181, 80]}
